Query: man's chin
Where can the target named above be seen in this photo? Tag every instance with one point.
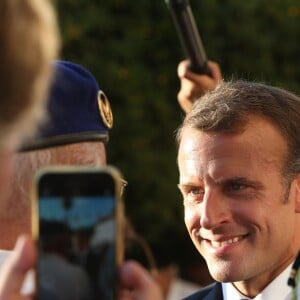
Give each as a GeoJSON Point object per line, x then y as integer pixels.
{"type": "Point", "coordinates": [224, 271]}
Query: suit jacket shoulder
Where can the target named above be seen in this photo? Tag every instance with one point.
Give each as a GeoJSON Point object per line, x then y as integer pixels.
{"type": "Point", "coordinates": [211, 292]}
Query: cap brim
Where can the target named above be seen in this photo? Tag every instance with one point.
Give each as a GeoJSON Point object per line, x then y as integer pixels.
{"type": "Point", "coordinates": [42, 143]}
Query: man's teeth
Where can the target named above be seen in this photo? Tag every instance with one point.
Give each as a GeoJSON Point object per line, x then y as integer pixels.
{"type": "Point", "coordinates": [224, 243]}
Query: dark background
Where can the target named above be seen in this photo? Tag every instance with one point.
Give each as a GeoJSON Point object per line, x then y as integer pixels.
{"type": "Point", "coordinates": [133, 50]}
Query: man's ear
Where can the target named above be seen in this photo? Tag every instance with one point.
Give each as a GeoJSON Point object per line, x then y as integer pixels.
{"type": "Point", "coordinates": [297, 193]}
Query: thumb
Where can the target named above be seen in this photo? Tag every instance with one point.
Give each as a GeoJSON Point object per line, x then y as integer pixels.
{"type": "Point", "coordinates": [14, 270]}
{"type": "Point", "coordinates": [137, 280]}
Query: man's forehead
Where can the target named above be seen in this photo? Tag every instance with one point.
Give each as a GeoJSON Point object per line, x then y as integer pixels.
{"type": "Point", "coordinates": [84, 153]}
{"type": "Point", "coordinates": [260, 143]}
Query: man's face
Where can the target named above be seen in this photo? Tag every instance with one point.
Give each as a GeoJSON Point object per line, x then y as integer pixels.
{"type": "Point", "coordinates": [238, 211]}
{"type": "Point", "coordinates": [84, 153]}
{"type": "Point", "coordinates": [15, 209]}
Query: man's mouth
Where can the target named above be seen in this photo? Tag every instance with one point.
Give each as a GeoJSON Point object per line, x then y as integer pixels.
{"type": "Point", "coordinates": [218, 244]}
{"type": "Point", "coordinates": [219, 241]}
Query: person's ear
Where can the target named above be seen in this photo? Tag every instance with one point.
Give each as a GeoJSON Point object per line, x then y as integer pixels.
{"type": "Point", "coordinates": [297, 196]}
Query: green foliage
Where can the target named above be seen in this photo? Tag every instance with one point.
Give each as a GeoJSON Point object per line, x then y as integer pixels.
{"type": "Point", "coordinates": [133, 50]}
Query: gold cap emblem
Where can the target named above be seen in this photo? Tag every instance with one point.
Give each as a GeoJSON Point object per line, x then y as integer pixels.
{"type": "Point", "coordinates": [105, 109]}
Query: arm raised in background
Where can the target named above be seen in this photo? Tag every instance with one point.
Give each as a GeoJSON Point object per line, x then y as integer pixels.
{"type": "Point", "coordinates": [193, 85]}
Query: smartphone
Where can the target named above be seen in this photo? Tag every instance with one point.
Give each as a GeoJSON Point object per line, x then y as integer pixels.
{"type": "Point", "coordinates": [77, 224]}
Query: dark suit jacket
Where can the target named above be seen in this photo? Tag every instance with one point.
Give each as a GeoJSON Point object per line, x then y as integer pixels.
{"type": "Point", "coordinates": [211, 292]}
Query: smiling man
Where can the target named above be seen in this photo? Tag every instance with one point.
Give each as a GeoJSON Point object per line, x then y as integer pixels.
{"type": "Point", "coordinates": [239, 164]}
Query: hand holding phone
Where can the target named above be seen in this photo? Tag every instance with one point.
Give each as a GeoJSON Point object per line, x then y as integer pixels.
{"type": "Point", "coordinates": [77, 224]}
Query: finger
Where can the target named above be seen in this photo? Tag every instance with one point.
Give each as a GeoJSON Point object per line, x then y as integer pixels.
{"type": "Point", "coordinates": [182, 68]}
{"type": "Point", "coordinates": [133, 275]}
{"type": "Point", "coordinates": [139, 282]}
{"type": "Point", "coordinates": [200, 82]}
{"type": "Point", "coordinates": [186, 98]}
{"type": "Point", "coordinates": [125, 294]}
{"type": "Point", "coordinates": [215, 71]}
{"type": "Point", "coordinates": [13, 272]}
{"type": "Point", "coordinates": [190, 92]}
{"type": "Point", "coordinates": [216, 75]}
{"type": "Point", "coordinates": [193, 86]}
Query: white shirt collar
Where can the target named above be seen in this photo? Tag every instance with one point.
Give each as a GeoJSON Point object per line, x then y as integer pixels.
{"type": "Point", "coordinates": [277, 289]}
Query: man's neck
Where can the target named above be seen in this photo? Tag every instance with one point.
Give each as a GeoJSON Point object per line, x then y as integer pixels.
{"type": "Point", "coordinates": [278, 286]}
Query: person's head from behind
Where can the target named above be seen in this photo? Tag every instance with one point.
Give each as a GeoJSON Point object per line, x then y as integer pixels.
{"type": "Point", "coordinates": [239, 164]}
{"type": "Point", "coordinates": [29, 41]}
{"type": "Point", "coordinates": [75, 133]}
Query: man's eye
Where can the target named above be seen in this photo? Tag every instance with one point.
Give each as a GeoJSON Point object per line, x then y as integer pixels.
{"type": "Point", "coordinates": [195, 191]}
{"type": "Point", "coordinates": [236, 186]}
{"type": "Point", "coordinates": [193, 195]}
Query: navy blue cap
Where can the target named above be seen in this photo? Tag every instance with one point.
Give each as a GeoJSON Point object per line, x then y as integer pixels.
{"type": "Point", "coordinates": [77, 110]}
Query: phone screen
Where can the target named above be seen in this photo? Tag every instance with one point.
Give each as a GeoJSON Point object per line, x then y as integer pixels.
{"type": "Point", "coordinates": [77, 236]}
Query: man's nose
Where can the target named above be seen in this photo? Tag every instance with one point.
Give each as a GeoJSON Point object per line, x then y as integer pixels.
{"type": "Point", "coordinates": [215, 209]}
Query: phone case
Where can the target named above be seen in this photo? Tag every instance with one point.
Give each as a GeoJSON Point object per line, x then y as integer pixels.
{"type": "Point", "coordinates": [110, 171]}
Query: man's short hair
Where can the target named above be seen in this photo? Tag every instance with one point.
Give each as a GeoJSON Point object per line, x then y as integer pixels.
{"type": "Point", "coordinates": [228, 107]}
